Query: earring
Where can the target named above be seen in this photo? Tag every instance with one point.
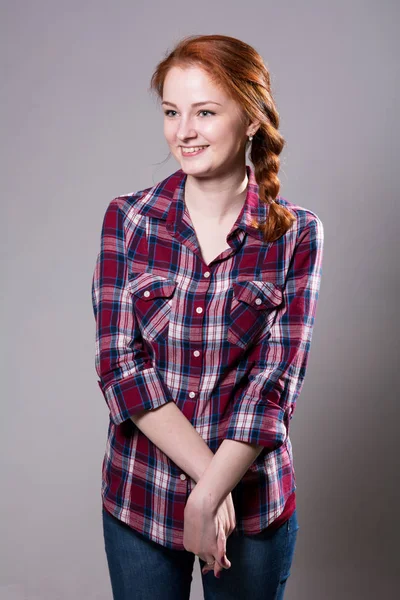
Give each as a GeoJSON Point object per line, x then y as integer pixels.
{"type": "Point", "coordinates": [250, 138]}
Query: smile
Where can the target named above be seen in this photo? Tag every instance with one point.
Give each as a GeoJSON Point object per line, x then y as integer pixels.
{"type": "Point", "coordinates": [193, 151]}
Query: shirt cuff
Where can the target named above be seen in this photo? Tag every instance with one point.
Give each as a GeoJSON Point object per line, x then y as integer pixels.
{"type": "Point", "coordinates": [257, 422]}
{"type": "Point", "coordinates": [134, 393]}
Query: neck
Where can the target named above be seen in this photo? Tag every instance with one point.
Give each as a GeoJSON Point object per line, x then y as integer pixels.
{"type": "Point", "coordinates": [216, 198]}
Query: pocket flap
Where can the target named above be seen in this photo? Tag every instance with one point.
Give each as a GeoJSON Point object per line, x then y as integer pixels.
{"type": "Point", "coordinates": [148, 286]}
{"type": "Point", "coordinates": [259, 294]}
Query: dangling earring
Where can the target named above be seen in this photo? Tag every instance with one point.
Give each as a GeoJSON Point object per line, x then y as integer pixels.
{"type": "Point", "coordinates": [250, 138]}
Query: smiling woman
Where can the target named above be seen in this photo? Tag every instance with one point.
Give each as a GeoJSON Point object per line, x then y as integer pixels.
{"type": "Point", "coordinates": [204, 294]}
{"type": "Point", "coordinates": [207, 124]}
{"type": "Point", "coordinates": [220, 93]}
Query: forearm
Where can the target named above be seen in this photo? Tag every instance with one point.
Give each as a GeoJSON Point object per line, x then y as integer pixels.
{"type": "Point", "coordinates": [169, 429]}
{"type": "Point", "coordinates": [216, 475]}
{"type": "Point", "coordinates": [225, 470]}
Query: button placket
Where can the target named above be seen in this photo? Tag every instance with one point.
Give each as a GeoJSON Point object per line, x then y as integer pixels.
{"type": "Point", "coordinates": [199, 310]}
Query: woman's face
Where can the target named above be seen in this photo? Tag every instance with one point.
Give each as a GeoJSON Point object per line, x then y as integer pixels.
{"type": "Point", "coordinates": [218, 124]}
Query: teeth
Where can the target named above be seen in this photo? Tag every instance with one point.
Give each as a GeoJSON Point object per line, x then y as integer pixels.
{"type": "Point", "coordinates": [185, 151]}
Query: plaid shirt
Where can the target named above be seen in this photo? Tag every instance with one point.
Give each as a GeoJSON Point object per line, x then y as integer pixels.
{"type": "Point", "coordinates": [228, 342]}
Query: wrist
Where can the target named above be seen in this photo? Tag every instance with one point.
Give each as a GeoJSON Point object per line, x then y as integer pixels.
{"type": "Point", "coordinates": [203, 496]}
{"type": "Point", "coordinates": [202, 500]}
{"type": "Point", "coordinates": [201, 466]}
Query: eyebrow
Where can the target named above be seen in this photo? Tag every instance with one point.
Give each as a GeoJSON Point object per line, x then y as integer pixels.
{"type": "Point", "coordinates": [194, 104]}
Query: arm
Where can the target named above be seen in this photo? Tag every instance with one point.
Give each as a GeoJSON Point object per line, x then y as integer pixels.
{"type": "Point", "coordinates": [164, 426]}
{"type": "Point", "coordinates": [260, 410]}
{"type": "Point", "coordinates": [127, 377]}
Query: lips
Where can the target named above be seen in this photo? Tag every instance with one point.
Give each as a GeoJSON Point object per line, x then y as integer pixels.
{"type": "Point", "coordinates": [192, 153]}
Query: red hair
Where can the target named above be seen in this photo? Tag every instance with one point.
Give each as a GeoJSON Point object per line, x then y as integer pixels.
{"type": "Point", "coordinates": [239, 70]}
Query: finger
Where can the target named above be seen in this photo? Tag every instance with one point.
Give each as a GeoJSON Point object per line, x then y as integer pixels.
{"type": "Point", "coordinates": [215, 566]}
{"type": "Point", "coordinates": [218, 566]}
{"type": "Point", "coordinates": [232, 515]}
{"type": "Point", "coordinates": [208, 558]}
{"type": "Point", "coordinates": [217, 570]}
{"type": "Point", "coordinates": [219, 560]}
{"type": "Point", "coordinates": [221, 555]}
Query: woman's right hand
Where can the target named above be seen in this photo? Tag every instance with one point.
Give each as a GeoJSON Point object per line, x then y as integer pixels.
{"type": "Point", "coordinates": [227, 523]}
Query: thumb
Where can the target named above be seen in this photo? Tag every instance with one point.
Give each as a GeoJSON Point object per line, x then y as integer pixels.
{"type": "Point", "coordinates": [226, 562]}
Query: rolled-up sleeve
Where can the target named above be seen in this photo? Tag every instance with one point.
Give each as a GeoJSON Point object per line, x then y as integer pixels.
{"type": "Point", "coordinates": [127, 377]}
{"type": "Point", "coordinates": [261, 411]}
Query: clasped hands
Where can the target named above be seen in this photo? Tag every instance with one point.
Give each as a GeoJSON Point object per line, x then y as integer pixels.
{"type": "Point", "coordinates": [206, 529]}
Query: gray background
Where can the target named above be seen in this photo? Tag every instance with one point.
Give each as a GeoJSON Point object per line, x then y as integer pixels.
{"type": "Point", "coordinates": [80, 127]}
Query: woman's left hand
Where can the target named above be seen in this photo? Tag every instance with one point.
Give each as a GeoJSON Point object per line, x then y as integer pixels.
{"type": "Point", "coordinates": [201, 529]}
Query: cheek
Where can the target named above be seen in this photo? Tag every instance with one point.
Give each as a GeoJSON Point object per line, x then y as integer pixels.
{"type": "Point", "coordinates": [211, 131]}
{"type": "Point", "coordinates": [169, 131]}
{"type": "Point", "coordinates": [232, 138]}
{"type": "Point", "coordinates": [219, 133]}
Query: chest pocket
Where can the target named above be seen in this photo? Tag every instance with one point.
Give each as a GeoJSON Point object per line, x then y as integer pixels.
{"type": "Point", "coordinates": [252, 309]}
{"type": "Point", "coordinates": [152, 297]}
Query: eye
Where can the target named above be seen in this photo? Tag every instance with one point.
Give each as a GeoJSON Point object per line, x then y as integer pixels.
{"type": "Point", "coordinates": [167, 112]}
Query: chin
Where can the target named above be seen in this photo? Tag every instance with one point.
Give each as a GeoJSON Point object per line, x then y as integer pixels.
{"type": "Point", "coordinates": [195, 168]}
{"type": "Point", "coordinates": [200, 172]}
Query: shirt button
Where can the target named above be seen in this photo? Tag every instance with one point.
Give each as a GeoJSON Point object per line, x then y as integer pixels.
{"type": "Point", "coordinates": [146, 293]}
{"type": "Point", "coordinates": [199, 309]}
{"type": "Point", "coordinates": [182, 476]}
{"type": "Point", "coordinates": [207, 274]}
{"type": "Point", "coordinates": [258, 300]}
{"type": "Point", "coordinates": [192, 394]}
{"type": "Point", "coordinates": [196, 353]}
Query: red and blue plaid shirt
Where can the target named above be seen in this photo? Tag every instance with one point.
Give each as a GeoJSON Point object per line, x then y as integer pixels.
{"type": "Point", "coordinates": [228, 342]}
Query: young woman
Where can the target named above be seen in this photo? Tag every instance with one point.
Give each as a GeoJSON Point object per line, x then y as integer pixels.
{"type": "Point", "coordinates": [204, 294]}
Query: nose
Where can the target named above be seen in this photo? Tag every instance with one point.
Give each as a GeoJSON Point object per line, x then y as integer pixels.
{"type": "Point", "coordinates": [185, 130]}
{"type": "Point", "coordinates": [186, 135]}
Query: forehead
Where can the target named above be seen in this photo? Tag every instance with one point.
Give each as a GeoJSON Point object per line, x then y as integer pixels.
{"type": "Point", "coordinates": [191, 82]}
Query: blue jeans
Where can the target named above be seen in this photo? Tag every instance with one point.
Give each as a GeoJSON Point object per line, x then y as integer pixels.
{"type": "Point", "coordinates": [141, 569]}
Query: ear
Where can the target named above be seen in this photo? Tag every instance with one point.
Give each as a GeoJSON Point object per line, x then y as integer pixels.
{"type": "Point", "coordinates": [252, 127]}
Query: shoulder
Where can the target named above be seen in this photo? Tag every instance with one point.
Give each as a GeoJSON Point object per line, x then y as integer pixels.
{"type": "Point", "coordinates": [307, 221]}
{"type": "Point", "coordinates": [152, 200]}
{"type": "Point", "coordinates": [131, 203]}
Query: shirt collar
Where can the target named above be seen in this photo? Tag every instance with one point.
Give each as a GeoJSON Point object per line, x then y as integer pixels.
{"type": "Point", "coordinates": [166, 202]}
